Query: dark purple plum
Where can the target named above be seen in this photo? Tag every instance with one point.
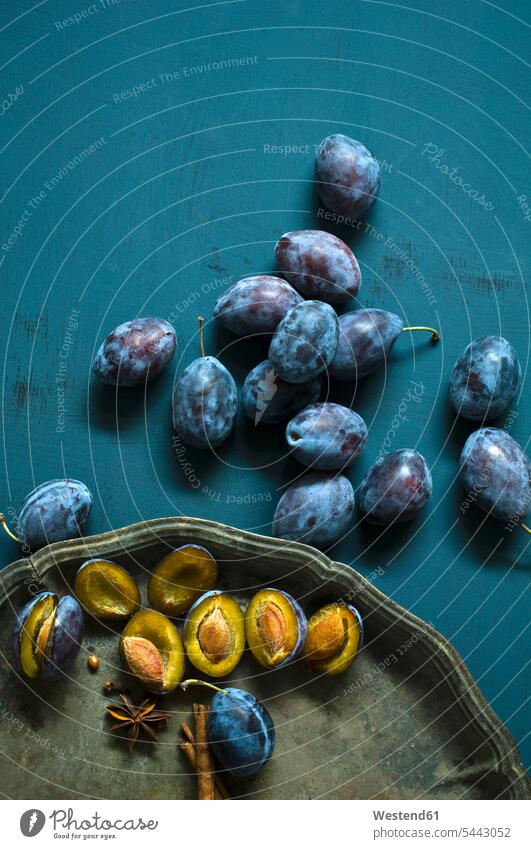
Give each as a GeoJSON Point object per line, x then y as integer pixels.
{"type": "Point", "coordinates": [485, 379]}
{"type": "Point", "coordinates": [317, 510]}
{"type": "Point", "coordinates": [48, 635]}
{"type": "Point", "coordinates": [395, 488]}
{"type": "Point", "coordinates": [326, 436]}
{"type": "Point", "coordinates": [304, 342]}
{"type": "Point", "coordinates": [67, 635]}
{"type": "Point", "coordinates": [319, 265]}
{"type": "Point", "coordinates": [496, 472]}
{"type": "Point", "coordinates": [204, 402]}
{"type": "Point", "coordinates": [240, 729]}
{"type": "Point", "coordinates": [267, 399]}
{"type": "Point", "coordinates": [53, 511]}
{"type": "Point", "coordinates": [347, 175]}
{"type": "Point", "coordinates": [135, 352]}
{"type": "Point", "coordinates": [256, 304]}
{"type": "Point", "coordinates": [366, 338]}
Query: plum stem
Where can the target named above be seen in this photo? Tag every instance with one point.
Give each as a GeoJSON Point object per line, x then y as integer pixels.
{"type": "Point", "coordinates": [201, 340]}
{"type": "Point", "coordinates": [185, 684]}
{"type": "Point", "coordinates": [525, 528]}
{"type": "Point", "coordinates": [3, 524]}
{"type": "Point", "coordinates": [435, 335]}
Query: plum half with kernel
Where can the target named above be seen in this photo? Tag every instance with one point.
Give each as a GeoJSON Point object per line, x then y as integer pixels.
{"type": "Point", "coordinates": [214, 635]}
{"type": "Point", "coordinates": [152, 651]}
{"type": "Point", "coordinates": [335, 636]}
{"type": "Point", "coordinates": [275, 627]}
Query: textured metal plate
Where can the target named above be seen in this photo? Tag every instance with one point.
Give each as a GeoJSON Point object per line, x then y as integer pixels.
{"type": "Point", "coordinates": [406, 721]}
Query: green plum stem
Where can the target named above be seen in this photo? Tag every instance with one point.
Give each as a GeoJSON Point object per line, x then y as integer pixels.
{"type": "Point", "coordinates": [201, 341]}
{"type": "Point", "coordinates": [435, 335]}
{"type": "Point", "coordinates": [525, 528]}
{"type": "Point", "coordinates": [3, 524]}
{"type": "Point", "coordinates": [185, 684]}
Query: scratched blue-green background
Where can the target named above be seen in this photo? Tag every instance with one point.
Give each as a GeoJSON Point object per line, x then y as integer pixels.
{"type": "Point", "coordinates": [183, 193]}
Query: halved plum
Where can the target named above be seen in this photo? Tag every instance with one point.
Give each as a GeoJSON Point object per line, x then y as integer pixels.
{"type": "Point", "coordinates": [275, 627]}
{"type": "Point", "coordinates": [335, 636]}
{"type": "Point", "coordinates": [181, 578]}
{"type": "Point", "coordinates": [106, 590]}
{"type": "Point", "coordinates": [152, 650]}
{"type": "Point", "coordinates": [214, 634]}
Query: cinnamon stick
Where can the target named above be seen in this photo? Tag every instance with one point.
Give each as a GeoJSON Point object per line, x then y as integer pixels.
{"type": "Point", "coordinates": [188, 747]}
{"type": "Point", "coordinates": [203, 756]}
{"type": "Point", "coordinates": [189, 751]}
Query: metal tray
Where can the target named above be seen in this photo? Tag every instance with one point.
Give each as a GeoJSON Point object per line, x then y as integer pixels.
{"type": "Point", "coordinates": [406, 721]}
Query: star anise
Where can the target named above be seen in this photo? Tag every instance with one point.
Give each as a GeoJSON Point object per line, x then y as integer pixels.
{"type": "Point", "coordinates": [136, 719]}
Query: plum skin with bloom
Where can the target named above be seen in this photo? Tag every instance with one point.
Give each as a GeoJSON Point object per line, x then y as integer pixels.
{"type": "Point", "coordinates": [496, 470]}
{"type": "Point", "coordinates": [326, 436]}
{"type": "Point", "coordinates": [54, 511]}
{"type": "Point", "coordinates": [319, 265]}
{"type": "Point", "coordinates": [366, 338]}
{"type": "Point", "coordinates": [485, 378]}
{"type": "Point", "coordinates": [304, 342]}
{"type": "Point", "coordinates": [395, 488]}
{"type": "Point", "coordinates": [135, 351]}
{"type": "Point", "coordinates": [316, 510]}
{"type": "Point", "coordinates": [241, 731]}
{"type": "Point", "coordinates": [267, 399]}
{"type": "Point", "coordinates": [256, 304]}
{"type": "Point", "coordinates": [347, 175]}
{"type": "Point", "coordinates": [205, 403]}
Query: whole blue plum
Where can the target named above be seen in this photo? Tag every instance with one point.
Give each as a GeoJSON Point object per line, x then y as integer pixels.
{"type": "Point", "coordinates": [256, 304]}
{"type": "Point", "coordinates": [48, 635]}
{"type": "Point", "coordinates": [267, 399]}
{"type": "Point", "coordinates": [347, 175]}
{"type": "Point", "coordinates": [395, 488]}
{"type": "Point", "coordinates": [317, 510]}
{"type": "Point", "coordinates": [53, 511]}
{"type": "Point", "coordinates": [485, 379]}
{"type": "Point", "coordinates": [319, 265]}
{"type": "Point", "coordinates": [205, 403]}
{"type": "Point", "coordinates": [366, 338]}
{"type": "Point", "coordinates": [241, 731]}
{"type": "Point", "coordinates": [304, 342]}
{"type": "Point", "coordinates": [496, 473]}
{"type": "Point", "coordinates": [326, 436]}
{"type": "Point", "coordinates": [135, 352]}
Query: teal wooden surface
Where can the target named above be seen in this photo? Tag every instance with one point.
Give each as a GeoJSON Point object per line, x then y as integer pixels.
{"type": "Point", "coordinates": [153, 152]}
